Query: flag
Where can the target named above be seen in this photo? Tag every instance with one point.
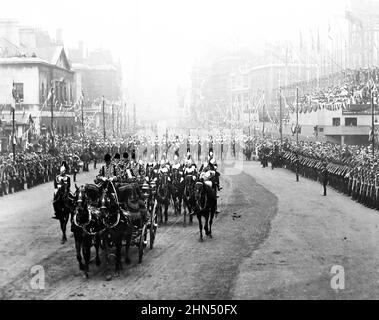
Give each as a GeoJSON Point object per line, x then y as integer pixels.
{"type": "Point", "coordinates": [313, 40]}
{"type": "Point", "coordinates": [51, 93]}
{"type": "Point", "coordinates": [329, 31]}
{"type": "Point", "coordinates": [300, 41]}
{"type": "Point", "coordinates": [370, 136]}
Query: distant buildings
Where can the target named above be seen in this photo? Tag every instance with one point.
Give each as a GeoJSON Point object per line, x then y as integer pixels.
{"type": "Point", "coordinates": [227, 89]}
{"type": "Point", "coordinates": [37, 69]}
{"type": "Point", "coordinates": [48, 78]}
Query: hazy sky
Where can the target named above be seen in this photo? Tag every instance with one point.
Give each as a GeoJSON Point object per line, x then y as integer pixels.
{"type": "Point", "coordinates": [158, 40]}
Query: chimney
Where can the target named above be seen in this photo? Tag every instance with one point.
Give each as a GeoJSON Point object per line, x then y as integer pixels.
{"type": "Point", "coordinates": [59, 37]}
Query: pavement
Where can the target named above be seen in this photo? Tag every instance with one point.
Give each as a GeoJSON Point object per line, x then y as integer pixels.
{"type": "Point", "coordinates": [274, 239]}
{"type": "Point", "coordinates": [309, 235]}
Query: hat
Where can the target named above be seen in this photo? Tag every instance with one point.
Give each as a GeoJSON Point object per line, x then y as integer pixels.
{"type": "Point", "coordinates": [117, 156]}
{"type": "Point", "coordinates": [107, 157]}
{"type": "Point", "coordinates": [125, 155]}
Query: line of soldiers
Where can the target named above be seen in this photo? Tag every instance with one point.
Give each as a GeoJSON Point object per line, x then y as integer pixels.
{"type": "Point", "coordinates": [351, 170]}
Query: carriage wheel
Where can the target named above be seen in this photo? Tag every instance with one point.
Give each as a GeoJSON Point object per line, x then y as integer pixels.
{"type": "Point", "coordinates": [153, 225]}
{"type": "Point", "coordinates": [142, 243]}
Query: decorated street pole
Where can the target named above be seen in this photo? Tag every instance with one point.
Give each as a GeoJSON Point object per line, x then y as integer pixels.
{"type": "Point", "coordinates": [372, 123]}
{"type": "Point", "coordinates": [103, 118]}
{"type": "Point", "coordinates": [297, 116]}
{"type": "Point", "coordinates": [280, 117]}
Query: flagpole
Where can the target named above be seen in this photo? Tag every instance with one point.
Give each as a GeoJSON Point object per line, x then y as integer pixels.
{"type": "Point", "coordinates": [104, 118]}
{"type": "Point", "coordinates": [372, 123]}
{"type": "Point", "coordinates": [13, 131]}
{"type": "Point", "coordinates": [280, 116]}
{"type": "Point", "coordinates": [52, 118]}
{"type": "Point", "coordinates": [297, 116]}
{"type": "Point", "coordinates": [83, 113]}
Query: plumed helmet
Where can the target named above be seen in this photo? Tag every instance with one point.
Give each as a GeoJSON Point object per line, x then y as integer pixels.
{"type": "Point", "coordinates": [63, 169]}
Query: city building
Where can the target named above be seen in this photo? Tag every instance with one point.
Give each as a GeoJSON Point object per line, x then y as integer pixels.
{"type": "Point", "coordinates": [41, 77]}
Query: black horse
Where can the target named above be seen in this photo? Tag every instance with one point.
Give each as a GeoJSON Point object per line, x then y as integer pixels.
{"type": "Point", "coordinates": [205, 206]}
{"type": "Point", "coordinates": [86, 226]}
{"type": "Point", "coordinates": [118, 228]}
{"type": "Point", "coordinates": [177, 189]}
{"type": "Point", "coordinates": [163, 196]}
{"type": "Point", "coordinates": [189, 198]}
{"type": "Point", "coordinates": [63, 204]}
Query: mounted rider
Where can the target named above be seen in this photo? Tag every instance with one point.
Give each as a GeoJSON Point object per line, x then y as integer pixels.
{"type": "Point", "coordinates": [61, 180]}
{"type": "Point", "coordinates": [210, 175]}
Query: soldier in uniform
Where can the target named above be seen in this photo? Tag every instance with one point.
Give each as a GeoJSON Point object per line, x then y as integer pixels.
{"type": "Point", "coordinates": [324, 177]}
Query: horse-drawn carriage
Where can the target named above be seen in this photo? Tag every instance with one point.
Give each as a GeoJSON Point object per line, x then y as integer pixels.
{"type": "Point", "coordinates": [112, 217]}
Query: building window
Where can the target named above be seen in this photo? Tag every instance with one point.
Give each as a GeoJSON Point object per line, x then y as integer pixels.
{"type": "Point", "coordinates": [18, 91]}
{"type": "Point", "coordinates": [351, 122]}
{"type": "Point", "coordinates": [336, 122]}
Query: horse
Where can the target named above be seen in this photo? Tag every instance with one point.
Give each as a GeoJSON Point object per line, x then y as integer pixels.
{"type": "Point", "coordinates": [205, 206]}
{"type": "Point", "coordinates": [87, 227]}
{"type": "Point", "coordinates": [177, 189]}
{"type": "Point", "coordinates": [163, 196]}
{"type": "Point", "coordinates": [118, 228]}
{"type": "Point", "coordinates": [189, 197]}
{"type": "Point", "coordinates": [63, 204]}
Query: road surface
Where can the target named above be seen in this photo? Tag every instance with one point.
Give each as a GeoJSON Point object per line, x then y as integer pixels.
{"type": "Point", "coordinates": [282, 246]}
